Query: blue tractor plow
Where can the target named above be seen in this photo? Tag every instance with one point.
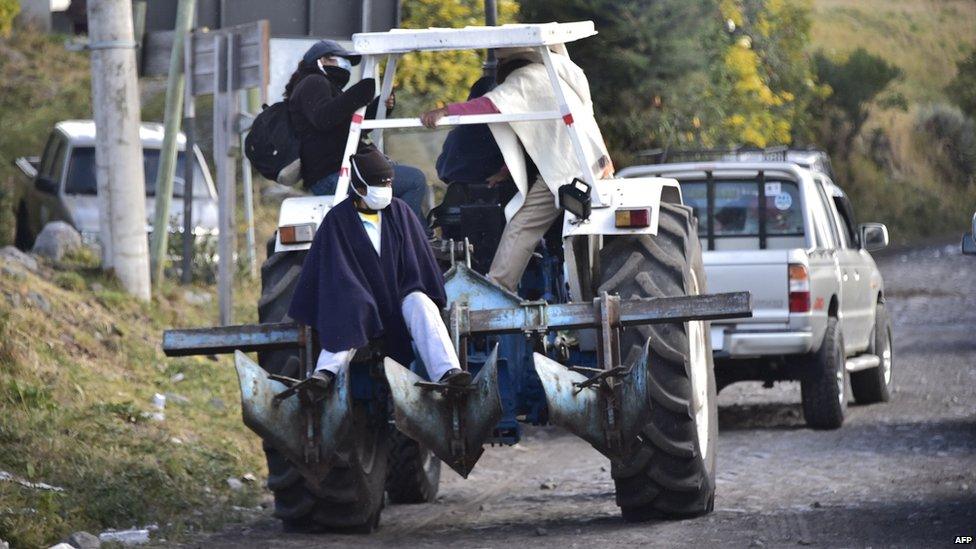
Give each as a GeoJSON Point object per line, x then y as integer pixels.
{"type": "Point", "coordinates": [523, 373]}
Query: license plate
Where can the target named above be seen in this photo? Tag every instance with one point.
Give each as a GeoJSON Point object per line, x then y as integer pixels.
{"type": "Point", "coordinates": [718, 337]}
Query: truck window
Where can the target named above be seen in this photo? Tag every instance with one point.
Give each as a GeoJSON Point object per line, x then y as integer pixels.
{"type": "Point", "coordinates": [735, 221]}
{"type": "Point", "coordinates": [57, 163]}
{"type": "Point", "coordinates": [47, 158]}
{"type": "Point", "coordinates": [82, 180]}
{"type": "Point", "coordinates": [846, 212]}
{"type": "Point", "coordinates": [830, 216]}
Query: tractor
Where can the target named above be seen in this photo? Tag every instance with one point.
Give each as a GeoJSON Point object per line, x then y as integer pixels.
{"type": "Point", "coordinates": [606, 337]}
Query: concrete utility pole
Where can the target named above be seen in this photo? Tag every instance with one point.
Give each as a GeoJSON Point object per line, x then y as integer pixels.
{"type": "Point", "coordinates": [118, 148]}
{"type": "Point", "coordinates": [167, 156]}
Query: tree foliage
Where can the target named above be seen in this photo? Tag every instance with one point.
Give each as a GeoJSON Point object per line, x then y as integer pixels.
{"type": "Point", "coordinates": [646, 66]}
{"type": "Point", "coordinates": [686, 73]}
{"type": "Point", "coordinates": [765, 81]}
{"type": "Point", "coordinates": [856, 83]}
{"type": "Point", "coordinates": [8, 10]}
{"type": "Point", "coordinates": [962, 89]}
{"type": "Point", "coordinates": [445, 76]}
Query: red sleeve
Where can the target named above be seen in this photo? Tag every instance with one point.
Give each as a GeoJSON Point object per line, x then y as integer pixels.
{"type": "Point", "coordinates": [478, 105]}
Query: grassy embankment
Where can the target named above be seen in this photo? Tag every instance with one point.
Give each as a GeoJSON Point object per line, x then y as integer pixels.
{"type": "Point", "coordinates": [924, 38]}
{"type": "Point", "coordinates": [77, 380]}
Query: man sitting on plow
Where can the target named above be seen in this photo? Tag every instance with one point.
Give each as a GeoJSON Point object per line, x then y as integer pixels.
{"type": "Point", "coordinates": [371, 274]}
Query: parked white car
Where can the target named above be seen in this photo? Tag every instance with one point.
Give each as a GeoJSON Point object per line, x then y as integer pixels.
{"type": "Point", "coordinates": [60, 185]}
{"type": "Point", "coordinates": [778, 227]}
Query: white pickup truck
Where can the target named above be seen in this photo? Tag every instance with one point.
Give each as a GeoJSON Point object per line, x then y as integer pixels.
{"type": "Point", "coordinates": [777, 226]}
{"type": "Point", "coordinates": [61, 185]}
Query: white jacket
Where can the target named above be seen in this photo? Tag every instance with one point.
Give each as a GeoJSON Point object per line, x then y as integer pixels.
{"type": "Point", "coordinates": [547, 142]}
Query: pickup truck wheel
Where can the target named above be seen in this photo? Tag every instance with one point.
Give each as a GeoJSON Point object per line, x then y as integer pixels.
{"type": "Point", "coordinates": [823, 388]}
{"type": "Point", "coordinates": [874, 384]}
{"type": "Point", "coordinates": [672, 474]}
{"type": "Point", "coordinates": [23, 237]}
{"type": "Point", "coordinates": [351, 496]}
{"type": "Point", "coordinates": [415, 473]}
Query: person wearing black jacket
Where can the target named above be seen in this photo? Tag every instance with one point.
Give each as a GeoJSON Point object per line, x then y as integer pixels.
{"type": "Point", "coordinates": [321, 113]}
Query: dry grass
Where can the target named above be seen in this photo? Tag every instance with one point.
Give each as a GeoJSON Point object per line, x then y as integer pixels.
{"type": "Point", "coordinates": [76, 387]}
{"type": "Point", "coordinates": [924, 38]}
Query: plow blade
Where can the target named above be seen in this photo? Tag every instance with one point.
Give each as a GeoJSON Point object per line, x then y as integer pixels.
{"type": "Point", "coordinates": [285, 424]}
{"type": "Point", "coordinates": [609, 419]}
{"type": "Point", "coordinates": [452, 424]}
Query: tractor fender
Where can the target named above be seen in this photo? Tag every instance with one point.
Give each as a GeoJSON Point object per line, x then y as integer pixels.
{"type": "Point", "coordinates": [301, 210]}
{"type": "Point", "coordinates": [617, 194]}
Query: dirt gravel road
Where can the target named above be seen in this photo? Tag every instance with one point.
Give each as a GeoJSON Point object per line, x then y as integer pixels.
{"type": "Point", "coordinates": [897, 474]}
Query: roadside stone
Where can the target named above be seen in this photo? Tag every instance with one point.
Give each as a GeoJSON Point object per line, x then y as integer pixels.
{"type": "Point", "coordinates": [484, 507]}
{"type": "Point", "coordinates": [96, 287]}
{"type": "Point", "coordinates": [217, 403]}
{"type": "Point", "coordinates": [84, 540]}
{"type": "Point", "coordinates": [547, 485]}
{"type": "Point", "coordinates": [540, 531]}
{"type": "Point", "coordinates": [12, 272]}
{"type": "Point", "coordinates": [757, 543]}
{"type": "Point", "coordinates": [816, 505]}
{"type": "Point", "coordinates": [4, 545]}
{"type": "Point", "coordinates": [177, 377]}
{"type": "Point", "coordinates": [10, 254]}
{"type": "Point", "coordinates": [249, 477]}
{"type": "Point", "coordinates": [39, 301]}
{"type": "Point", "coordinates": [235, 484]}
{"type": "Point", "coordinates": [57, 238]}
{"type": "Point", "coordinates": [14, 300]}
{"type": "Point", "coordinates": [197, 298]}
{"type": "Point", "coordinates": [61, 545]}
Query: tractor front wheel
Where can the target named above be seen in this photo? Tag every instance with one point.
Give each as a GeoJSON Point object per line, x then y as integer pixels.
{"type": "Point", "coordinates": [350, 497]}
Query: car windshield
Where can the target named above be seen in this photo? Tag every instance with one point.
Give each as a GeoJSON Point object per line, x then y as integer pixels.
{"type": "Point", "coordinates": [735, 213]}
{"type": "Point", "coordinates": [81, 173]}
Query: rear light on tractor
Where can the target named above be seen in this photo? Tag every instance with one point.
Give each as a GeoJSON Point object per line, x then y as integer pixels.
{"type": "Point", "coordinates": [296, 234]}
{"type": "Point", "coordinates": [632, 219]}
{"type": "Point", "coordinates": [799, 289]}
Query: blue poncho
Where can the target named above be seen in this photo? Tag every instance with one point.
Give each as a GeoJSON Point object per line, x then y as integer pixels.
{"type": "Point", "coordinates": [351, 295]}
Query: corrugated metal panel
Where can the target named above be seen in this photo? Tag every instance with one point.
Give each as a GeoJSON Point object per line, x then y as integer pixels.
{"type": "Point", "coordinates": [333, 18]}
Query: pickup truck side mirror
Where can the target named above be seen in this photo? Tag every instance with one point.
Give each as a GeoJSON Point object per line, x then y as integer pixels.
{"type": "Point", "coordinates": [46, 185]}
{"type": "Point", "coordinates": [968, 244]}
{"type": "Point", "coordinates": [874, 236]}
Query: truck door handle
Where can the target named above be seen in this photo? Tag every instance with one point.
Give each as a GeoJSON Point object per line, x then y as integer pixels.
{"type": "Point", "coordinates": [845, 276]}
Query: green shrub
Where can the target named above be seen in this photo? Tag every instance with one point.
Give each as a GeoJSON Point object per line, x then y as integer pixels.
{"type": "Point", "coordinates": [70, 281]}
{"type": "Point", "coordinates": [952, 135]}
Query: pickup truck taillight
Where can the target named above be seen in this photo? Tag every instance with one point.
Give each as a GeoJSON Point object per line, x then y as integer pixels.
{"type": "Point", "coordinates": [799, 289]}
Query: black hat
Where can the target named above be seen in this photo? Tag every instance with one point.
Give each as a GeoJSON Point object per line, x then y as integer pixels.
{"type": "Point", "coordinates": [325, 48]}
{"type": "Point", "coordinates": [371, 167]}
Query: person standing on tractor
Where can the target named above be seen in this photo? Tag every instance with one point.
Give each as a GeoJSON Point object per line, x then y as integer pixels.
{"type": "Point", "coordinates": [537, 154]}
{"type": "Point", "coordinates": [371, 274]}
{"type": "Point", "coordinates": [321, 113]}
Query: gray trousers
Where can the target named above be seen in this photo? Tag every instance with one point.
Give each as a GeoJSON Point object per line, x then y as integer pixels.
{"type": "Point", "coordinates": [522, 235]}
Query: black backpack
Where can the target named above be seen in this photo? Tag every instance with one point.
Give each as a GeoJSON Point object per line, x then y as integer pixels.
{"type": "Point", "coordinates": [273, 147]}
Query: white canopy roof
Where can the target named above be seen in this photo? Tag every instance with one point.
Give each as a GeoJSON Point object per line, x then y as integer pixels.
{"type": "Point", "coordinates": [471, 38]}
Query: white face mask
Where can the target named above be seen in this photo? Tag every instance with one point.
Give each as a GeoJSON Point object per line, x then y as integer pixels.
{"type": "Point", "coordinates": [376, 198]}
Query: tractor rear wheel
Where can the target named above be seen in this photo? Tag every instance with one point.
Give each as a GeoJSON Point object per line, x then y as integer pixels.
{"type": "Point", "coordinates": [672, 474]}
{"type": "Point", "coordinates": [351, 496]}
